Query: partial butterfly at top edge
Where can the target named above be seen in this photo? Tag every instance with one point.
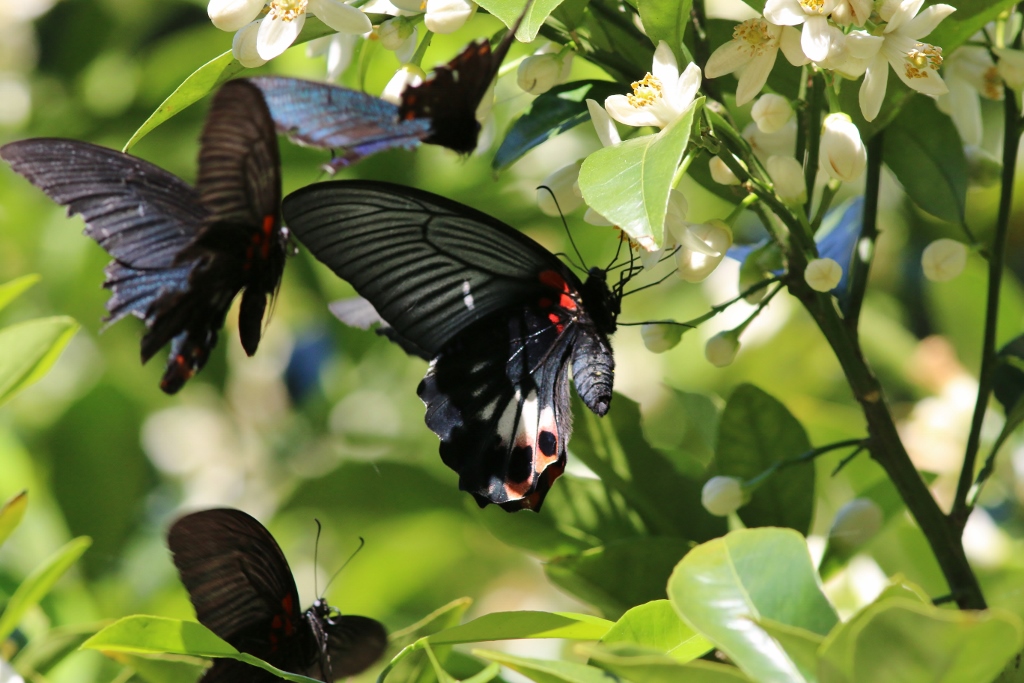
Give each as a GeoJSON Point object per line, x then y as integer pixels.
{"type": "Point", "coordinates": [500, 318]}
{"type": "Point", "coordinates": [242, 589]}
{"type": "Point", "coordinates": [180, 254]}
{"type": "Point", "coordinates": [440, 111]}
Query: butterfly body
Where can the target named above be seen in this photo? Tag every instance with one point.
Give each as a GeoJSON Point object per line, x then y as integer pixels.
{"type": "Point", "coordinates": [500, 318]}
{"type": "Point", "coordinates": [242, 590]}
{"type": "Point", "coordinates": [181, 254]}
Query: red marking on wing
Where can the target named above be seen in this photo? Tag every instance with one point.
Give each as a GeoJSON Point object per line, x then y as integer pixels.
{"type": "Point", "coordinates": [554, 280]}
{"type": "Point", "coordinates": [269, 221]}
{"type": "Point", "coordinates": [567, 302]}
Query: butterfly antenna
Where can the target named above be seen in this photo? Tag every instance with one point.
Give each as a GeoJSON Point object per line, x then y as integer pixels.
{"type": "Point", "coordinates": [583, 263]}
{"type": "Point", "coordinates": [618, 250]}
{"type": "Point", "coordinates": [647, 286]}
{"type": "Point", "coordinates": [316, 554]}
{"type": "Point", "coordinates": [344, 564]}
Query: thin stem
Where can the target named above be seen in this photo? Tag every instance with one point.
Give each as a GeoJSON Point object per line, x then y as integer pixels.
{"type": "Point", "coordinates": [806, 457]}
{"type": "Point", "coordinates": [812, 121]}
{"type": "Point", "coordinates": [865, 249]}
{"type": "Point", "coordinates": [421, 49]}
{"type": "Point", "coordinates": [989, 360]}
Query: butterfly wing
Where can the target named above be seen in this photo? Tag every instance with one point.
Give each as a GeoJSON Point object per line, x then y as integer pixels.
{"type": "Point", "coordinates": [241, 587]}
{"type": "Point", "coordinates": [428, 265]}
{"type": "Point", "coordinates": [331, 117]}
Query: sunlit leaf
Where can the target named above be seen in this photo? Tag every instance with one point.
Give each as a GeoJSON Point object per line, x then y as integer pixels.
{"type": "Point", "coordinates": [638, 666]}
{"type": "Point", "coordinates": [9, 291]}
{"type": "Point", "coordinates": [544, 671]}
{"type": "Point", "coordinates": [799, 644]}
{"type": "Point", "coordinates": [30, 350]}
{"type": "Point", "coordinates": [11, 513]}
{"type": "Point", "coordinates": [38, 584]}
{"type": "Point", "coordinates": [969, 18]}
{"type": "Point", "coordinates": [526, 624]}
{"type": "Point", "coordinates": [656, 625]}
{"type": "Point", "coordinates": [509, 10]}
{"type": "Point", "coordinates": [666, 20]}
{"type": "Point", "coordinates": [153, 670]}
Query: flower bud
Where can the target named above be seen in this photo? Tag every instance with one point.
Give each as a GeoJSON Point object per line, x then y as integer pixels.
{"type": "Point", "coordinates": [231, 15]}
{"type": "Point", "coordinates": [788, 177]}
{"type": "Point", "coordinates": [855, 524]}
{"type": "Point", "coordinates": [407, 74]}
{"type": "Point", "coordinates": [721, 496]}
{"type": "Point", "coordinates": [701, 248]}
{"type": "Point", "coordinates": [943, 259]}
{"type": "Point", "coordinates": [564, 185]}
{"type": "Point", "coordinates": [721, 173]}
{"type": "Point", "coordinates": [823, 274]}
{"type": "Point", "coordinates": [841, 152]}
{"type": "Point", "coordinates": [539, 73]}
{"type": "Point", "coordinates": [243, 46]}
{"type": "Point", "coordinates": [660, 337]}
{"type": "Point", "coordinates": [448, 16]}
{"type": "Point", "coordinates": [983, 168]}
{"type": "Point", "coordinates": [771, 112]}
{"type": "Point", "coordinates": [722, 348]}
{"type": "Point", "coordinates": [394, 32]}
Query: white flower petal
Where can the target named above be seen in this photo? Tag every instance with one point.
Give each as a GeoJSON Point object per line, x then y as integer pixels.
{"type": "Point", "coordinates": [619, 108]}
{"type": "Point", "coordinates": [784, 12]}
{"type": "Point", "coordinates": [606, 131]}
{"type": "Point", "coordinates": [925, 22]}
{"type": "Point", "coordinates": [965, 109]}
{"type": "Point", "coordinates": [686, 87]}
{"type": "Point", "coordinates": [407, 75]}
{"type": "Point", "coordinates": [905, 11]}
{"type": "Point", "coordinates": [277, 35]}
{"type": "Point", "coordinates": [665, 67]}
{"type": "Point", "coordinates": [243, 46]}
{"type": "Point", "coordinates": [791, 48]}
{"type": "Point", "coordinates": [754, 76]}
{"type": "Point", "coordinates": [677, 207]}
{"type": "Point", "coordinates": [448, 16]}
{"type": "Point", "coordinates": [231, 15]}
{"type": "Point", "coordinates": [562, 195]}
{"type": "Point", "coordinates": [727, 58]}
{"type": "Point", "coordinates": [816, 39]}
{"type": "Point", "coordinates": [594, 218]}
{"type": "Point", "coordinates": [872, 90]}
{"type": "Point", "coordinates": [341, 17]}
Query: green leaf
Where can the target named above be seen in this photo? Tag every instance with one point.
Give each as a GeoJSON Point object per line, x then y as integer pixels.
{"type": "Point", "coordinates": [1008, 380]}
{"type": "Point", "coordinates": [629, 183]}
{"type": "Point", "coordinates": [544, 671]}
{"type": "Point", "coordinates": [11, 514]}
{"type": "Point", "coordinates": [621, 574]}
{"type": "Point", "coordinates": [30, 350]}
{"type": "Point", "coordinates": [37, 584]}
{"type": "Point", "coordinates": [723, 587]}
{"type": "Point", "coordinates": [154, 670]}
{"type": "Point", "coordinates": [756, 433]}
{"type": "Point", "coordinates": [637, 666]}
{"type": "Point", "coordinates": [525, 624]}
{"type": "Point", "coordinates": [46, 650]}
{"type": "Point", "coordinates": [969, 18]}
{"type": "Point", "coordinates": [146, 635]}
{"type": "Point", "coordinates": [933, 172]}
{"type": "Point", "coordinates": [9, 291]}
{"type": "Point", "coordinates": [207, 78]}
{"type": "Point", "coordinates": [905, 641]}
{"type": "Point", "coordinates": [411, 663]}
{"type": "Point", "coordinates": [552, 113]}
{"type": "Point", "coordinates": [509, 10]}
{"type": "Point", "coordinates": [656, 625]}
{"type": "Point", "coordinates": [800, 644]}
{"type": "Point", "coordinates": [666, 20]}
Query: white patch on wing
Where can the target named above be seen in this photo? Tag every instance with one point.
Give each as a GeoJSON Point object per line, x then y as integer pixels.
{"type": "Point", "coordinates": [526, 434]}
{"type": "Point", "coordinates": [507, 421]}
{"type": "Point", "coordinates": [488, 410]}
{"type": "Point", "coordinates": [467, 297]}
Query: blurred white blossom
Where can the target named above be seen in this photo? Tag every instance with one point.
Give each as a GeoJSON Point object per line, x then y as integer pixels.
{"type": "Point", "coordinates": [659, 337]}
{"type": "Point", "coordinates": [943, 259]}
{"type": "Point", "coordinates": [771, 112]}
{"type": "Point", "coordinates": [787, 176]}
{"type": "Point", "coordinates": [722, 496]}
{"type": "Point", "coordinates": [823, 274]}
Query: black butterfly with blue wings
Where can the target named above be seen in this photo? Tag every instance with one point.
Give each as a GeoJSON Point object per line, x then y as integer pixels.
{"type": "Point", "coordinates": [498, 316]}
{"type": "Point", "coordinates": [440, 111]}
{"type": "Point", "coordinates": [181, 254]}
{"type": "Point", "coordinates": [243, 590]}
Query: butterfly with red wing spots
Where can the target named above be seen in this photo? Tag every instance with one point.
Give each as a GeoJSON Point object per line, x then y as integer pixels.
{"type": "Point", "coordinates": [499, 317]}
{"type": "Point", "coordinates": [243, 590]}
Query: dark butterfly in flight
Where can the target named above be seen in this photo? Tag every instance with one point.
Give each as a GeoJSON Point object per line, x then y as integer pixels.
{"type": "Point", "coordinates": [439, 111]}
{"type": "Point", "coordinates": [498, 316]}
{"type": "Point", "coordinates": [243, 590]}
{"type": "Point", "coordinates": [181, 254]}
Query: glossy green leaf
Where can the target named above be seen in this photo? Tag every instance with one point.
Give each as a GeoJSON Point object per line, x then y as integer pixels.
{"type": "Point", "coordinates": [509, 10]}
{"type": "Point", "coordinates": [47, 650]}
{"type": "Point", "coordinates": [552, 113]}
{"type": "Point", "coordinates": [1008, 380]}
{"type": "Point", "coordinates": [545, 671]}
{"type": "Point", "coordinates": [411, 663]}
{"type": "Point", "coordinates": [30, 350]}
{"type": "Point", "coordinates": [629, 183]}
{"type": "Point", "coordinates": [153, 670]}
{"type": "Point", "coordinates": [651, 667]}
{"type": "Point", "coordinates": [39, 583]}
{"type": "Point", "coordinates": [666, 20]}
{"type": "Point", "coordinates": [141, 634]}
{"type": "Point", "coordinates": [526, 624]}
{"type": "Point", "coordinates": [656, 625]}
{"type": "Point", "coordinates": [9, 291]}
{"type": "Point", "coordinates": [969, 18]}
{"type": "Point", "coordinates": [799, 644]}
{"type": "Point", "coordinates": [724, 586]}
{"type": "Point", "coordinates": [905, 641]}
{"type": "Point", "coordinates": [11, 513]}
{"type": "Point", "coordinates": [756, 433]}
{"type": "Point", "coordinates": [933, 172]}
{"type": "Point", "coordinates": [206, 79]}
{"type": "Point", "coordinates": [620, 574]}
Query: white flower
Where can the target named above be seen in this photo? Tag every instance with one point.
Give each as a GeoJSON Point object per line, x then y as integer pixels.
{"type": "Point", "coordinates": [660, 337]}
{"type": "Point", "coordinates": [916, 63]}
{"type": "Point", "coordinates": [766, 145]}
{"type": "Point", "coordinates": [788, 178]}
{"type": "Point", "coordinates": [721, 496]}
{"type": "Point", "coordinates": [660, 97]}
{"type": "Point", "coordinates": [564, 183]}
{"type": "Point", "coordinates": [815, 39]}
{"type": "Point", "coordinates": [852, 12]}
{"type": "Point", "coordinates": [721, 349]}
{"type": "Point", "coordinates": [702, 247]}
{"type": "Point", "coordinates": [243, 46]}
{"type": "Point", "coordinates": [448, 16]}
{"type": "Point", "coordinates": [841, 152]}
{"type": "Point", "coordinates": [282, 25]}
{"type": "Point", "coordinates": [970, 74]}
{"type": "Point", "coordinates": [771, 112]}
{"type": "Point", "coordinates": [608, 135]}
{"type": "Point", "coordinates": [823, 274]}
{"type": "Point", "coordinates": [1011, 67]}
{"type": "Point", "coordinates": [721, 173]}
{"type": "Point", "coordinates": [231, 15]}
{"type": "Point", "coordinates": [399, 35]}
{"type": "Point", "coordinates": [752, 51]}
{"type": "Point", "coordinates": [943, 259]}
{"type": "Point", "coordinates": [338, 49]}
{"type": "Point", "coordinates": [407, 75]}
{"type": "Point", "coordinates": [856, 523]}
{"type": "Point", "coordinates": [540, 72]}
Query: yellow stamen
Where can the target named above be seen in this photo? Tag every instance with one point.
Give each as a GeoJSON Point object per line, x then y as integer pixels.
{"type": "Point", "coordinates": [815, 6]}
{"type": "Point", "coordinates": [287, 10]}
{"type": "Point", "coordinates": [645, 92]}
{"type": "Point", "coordinates": [922, 58]}
{"type": "Point", "coordinates": [756, 34]}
